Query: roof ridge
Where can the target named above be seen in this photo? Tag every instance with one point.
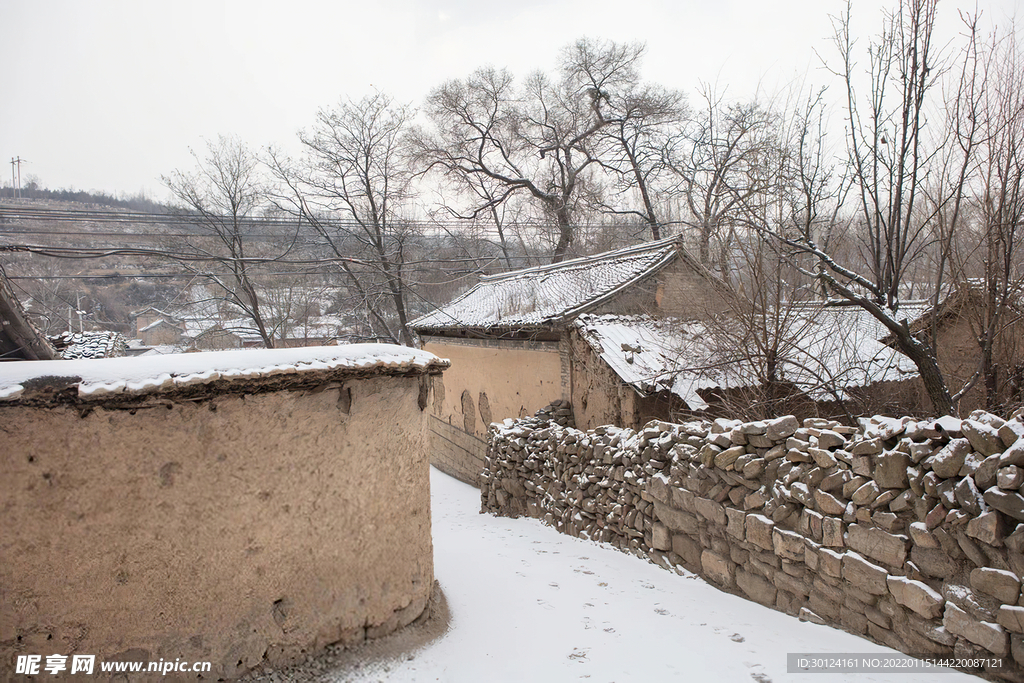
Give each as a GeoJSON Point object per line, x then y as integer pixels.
{"type": "Point", "coordinates": [586, 260]}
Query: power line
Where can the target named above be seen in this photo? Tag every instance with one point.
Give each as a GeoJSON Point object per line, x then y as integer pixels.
{"type": "Point", "coordinates": [181, 218]}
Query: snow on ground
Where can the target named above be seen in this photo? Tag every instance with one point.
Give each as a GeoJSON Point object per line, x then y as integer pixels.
{"type": "Point", "coordinates": [530, 604]}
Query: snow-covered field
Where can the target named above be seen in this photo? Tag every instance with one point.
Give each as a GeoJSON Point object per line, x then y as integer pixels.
{"type": "Point", "coordinates": [530, 604]}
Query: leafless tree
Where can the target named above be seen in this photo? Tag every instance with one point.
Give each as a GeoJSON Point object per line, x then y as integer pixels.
{"type": "Point", "coordinates": [352, 185]}
{"type": "Point", "coordinates": [987, 112]}
{"type": "Point", "coordinates": [890, 161]}
{"type": "Point", "coordinates": [222, 193]}
{"type": "Point", "coordinates": [538, 139]}
{"type": "Point", "coordinates": [641, 120]}
{"type": "Point", "coordinates": [721, 163]}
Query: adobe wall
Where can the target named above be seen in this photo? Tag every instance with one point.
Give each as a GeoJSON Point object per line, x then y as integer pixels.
{"type": "Point", "coordinates": [908, 533]}
{"type": "Point", "coordinates": [676, 290]}
{"type": "Point", "coordinates": [958, 355]}
{"type": "Point", "coordinates": [455, 452]}
{"type": "Point", "coordinates": [489, 380]}
{"type": "Point", "coordinates": [599, 397]}
{"type": "Point", "coordinates": [243, 526]}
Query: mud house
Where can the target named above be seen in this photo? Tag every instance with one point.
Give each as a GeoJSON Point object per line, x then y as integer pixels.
{"type": "Point", "coordinates": [508, 336]}
{"type": "Point", "coordinates": [959, 325]}
{"type": "Point", "coordinates": [819, 360]}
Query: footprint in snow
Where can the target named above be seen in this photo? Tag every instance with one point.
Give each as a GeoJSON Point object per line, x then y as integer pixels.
{"type": "Point", "coordinates": [760, 678]}
{"type": "Point", "coordinates": [662, 611]}
{"type": "Point", "coordinates": [579, 654]}
{"type": "Point", "coordinates": [737, 638]}
{"type": "Point", "coordinates": [553, 584]}
{"type": "Point", "coordinates": [583, 571]}
{"type": "Point", "coordinates": [545, 604]}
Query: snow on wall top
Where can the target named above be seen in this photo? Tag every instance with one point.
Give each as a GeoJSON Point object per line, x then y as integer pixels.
{"type": "Point", "coordinates": [551, 293]}
{"type": "Point", "coordinates": [823, 350]}
{"type": "Point", "coordinates": [147, 374]}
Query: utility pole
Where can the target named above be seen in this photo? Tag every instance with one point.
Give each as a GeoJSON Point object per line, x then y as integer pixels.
{"type": "Point", "coordinates": [16, 183]}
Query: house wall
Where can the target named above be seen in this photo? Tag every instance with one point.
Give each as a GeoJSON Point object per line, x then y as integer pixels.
{"type": "Point", "coordinates": [143, 320]}
{"type": "Point", "coordinates": [599, 397]}
{"type": "Point", "coordinates": [677, 291]}
{"type": "Point", "coordinates": [161, 334]}
{"type": "Point", "coordinates": [489, 380]}
{"type": "Point", "coordinates": [236, 528]}
{"type": "Point", "coordinates": [958, 355]}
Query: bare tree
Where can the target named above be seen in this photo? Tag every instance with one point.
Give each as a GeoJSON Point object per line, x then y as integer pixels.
{"type": "Point", "coordinates": [222, 193]}
{"type": "Point", "coordinates": [890, 160]}
{"type": "Point", "coordinates": [538, 139]}
{"type": "Point", "coordinates": [721, 162]}
{"type": "Point", "coordinates": [352, 186]}
{"type": "Point", "coordinates": [641, 120]}
{"type": "Point", "coordinates": [987, 112]}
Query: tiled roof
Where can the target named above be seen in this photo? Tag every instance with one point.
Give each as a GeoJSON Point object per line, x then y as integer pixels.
{"type": "Point", "coordinates": [689, 357]}
{"type": "Point", "coordinates": [549, 294]}
{"type": "Point", "coordinates": [73, 346]}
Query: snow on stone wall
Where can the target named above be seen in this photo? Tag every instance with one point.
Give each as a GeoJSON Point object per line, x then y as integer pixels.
{"type": "Point", "coordinates": [907, 532]}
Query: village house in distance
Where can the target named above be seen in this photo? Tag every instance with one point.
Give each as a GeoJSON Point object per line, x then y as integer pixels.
{"type": "Point", "coordinates": [508, 339]}
{"type": "Point", "coordinates": [621, 338]}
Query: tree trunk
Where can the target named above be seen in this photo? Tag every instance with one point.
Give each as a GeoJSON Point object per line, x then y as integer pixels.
{"type": "Point", "coordinates": [928, 367]}
{"type": "Point", "coordinates": [564, 234]}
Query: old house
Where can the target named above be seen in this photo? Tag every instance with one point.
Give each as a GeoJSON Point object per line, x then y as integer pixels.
{"type": "Point", "coordinates": [508, 336]}
{"type": "Point", "coordinates": [817, 360]}
{"type": "Point", "coordinates": [156, 327]}
{"type": "Point", "coordinates": [959, 326]}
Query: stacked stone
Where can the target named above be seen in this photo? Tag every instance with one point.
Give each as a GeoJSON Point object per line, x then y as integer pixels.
{"type": "Point", "coordinates": [589, 485]}
{"type": "Point", "coordinates": [906, 531]}
{"type": "Point", "coordinates": [559, 412]}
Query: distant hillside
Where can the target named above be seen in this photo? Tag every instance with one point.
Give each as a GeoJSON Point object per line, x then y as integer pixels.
{"type": "Point", "coordinates": [137, 202]}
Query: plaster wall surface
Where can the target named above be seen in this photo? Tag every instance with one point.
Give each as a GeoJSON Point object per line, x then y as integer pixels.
{"type": "Point", "coordinates": [234, 529]}
{"type": "Point", "coordinates": [500, 378]}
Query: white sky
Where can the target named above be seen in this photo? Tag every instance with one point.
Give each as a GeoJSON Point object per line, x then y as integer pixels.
{"type": "Point", "coordinates": [110, 94]}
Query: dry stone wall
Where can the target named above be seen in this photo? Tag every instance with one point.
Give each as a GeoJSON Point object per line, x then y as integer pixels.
{"type": "Point", "coordinates": [908, 532]}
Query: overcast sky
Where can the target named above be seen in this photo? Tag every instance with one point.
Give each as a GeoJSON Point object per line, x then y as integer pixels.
{"type": "Point", "coordinates": [110, 94]}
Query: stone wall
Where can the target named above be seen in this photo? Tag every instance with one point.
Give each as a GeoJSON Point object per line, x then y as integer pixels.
{"type": "Point", "coordinates": [239, 522]}
{"type": "Point", "coordinates": [906, 532]}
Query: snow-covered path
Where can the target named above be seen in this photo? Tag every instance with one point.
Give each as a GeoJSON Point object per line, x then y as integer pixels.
{"type": "Point", "coordinates": [530, 604]}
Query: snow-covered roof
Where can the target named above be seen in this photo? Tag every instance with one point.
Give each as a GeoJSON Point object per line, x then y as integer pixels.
{"type": "Point", "coordinates": [73, 346]}
{"type": "Point", "coordinates": [549, 294]}
{"type": "Point", "coordinates": [151, 309]}
{"type": "Point", "coordinates": [158, 323]}
{"type": "Point", "coordinates": [96, 379]}
{"type": "Point", "coordinates": [824, 349]}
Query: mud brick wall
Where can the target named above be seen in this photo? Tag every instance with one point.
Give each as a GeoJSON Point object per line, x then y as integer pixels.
{"type": "Point", "coordinates": [907, 532]}
{"type": "Point", "coordinates": [245, 523]}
